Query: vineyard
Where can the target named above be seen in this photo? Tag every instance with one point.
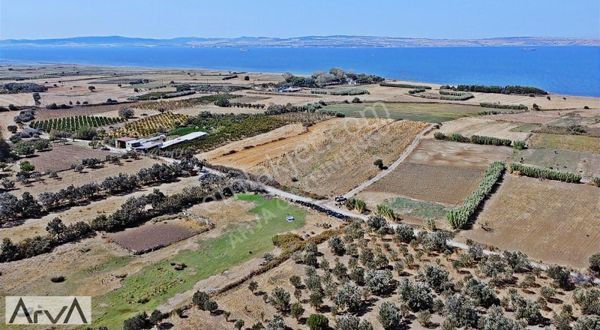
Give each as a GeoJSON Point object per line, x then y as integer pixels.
{"type": "Point", "coordinates": [70, 124]}
{"type": "Point", "coordinates": [150, 125]}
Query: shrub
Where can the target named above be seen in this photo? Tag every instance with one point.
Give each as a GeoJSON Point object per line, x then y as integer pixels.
{"type": "Point", "coordinates": [588, 300]}
{"type": "Point", "coordinates": [460, 311]}
{"type": "Point", "coordinates": [389, 316]}
{"type": "Point", "coordinates": [280, 299]}
{"type": "Point", "coordinates": [405, 233]}
{"type": "Point", "coordinates": [481, 293]}
{"type": "Point", "coordinates": [417, 296]}
{"type": "Point", "coordinates": [137, 322]}
{"type": "Point", "coordinates": [596, 181]}
{"type": "Point", "coordinates": [519, 145]}
{"type": "Point", "coordinates": [349, 297]}
{"type": "Point", "coordinates": [380, 282]}
{"type": "Point", "coordinates": [436, 277]}
{"type": "Point", "coordinates": [495, 320]}
{"type": "Point", "coordinates": [458, 217]}
{"type": "Point", "coordinates": [595, 263]}
{"type": "Point", "coordinates": [544, 173]}
{"type": "Point", "coordinates": [587, 323]}
{"type": "Point", "coordinates": [386, 212]}
{"type": "Point", "coordinates": [317, 322]}
{"type": "Point", "coordinates": [337, 246]}
{"type": "Point", "coordinates": [488, 140]}
{"type": "Point", "coordinates": [522, 90]}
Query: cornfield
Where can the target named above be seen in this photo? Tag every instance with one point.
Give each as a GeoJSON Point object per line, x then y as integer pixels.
{"type": "Point", "coordinates": [71, 124]}
{"type": "Point", "coordinates": [153, 124]}
{"type": "Point", "coordinates": [458, 217]}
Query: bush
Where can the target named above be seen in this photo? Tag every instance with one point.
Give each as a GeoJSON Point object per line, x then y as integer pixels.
{"type": "Point", "coordinates": [595, 263]}
{"type": "Point", "coordinates": [487, 140]}
{"type": "Point", "coordinates": [495, 320]}
{"type": "Point", "coordinates": [596, 181]}
{"type": "Point", "coordinates": [458, 217]}
{"type": "Point", "coordinates": [405, 233]}
{"type": "Point", "coordinates": [588, 300]}
{"type": "Point", "coordinates": [126, 113]}
{"type": "Point", "coordinates": [417, 296]}
{"type": "Point", "coordinates": [519, 145]}
{"type": "Point", "coordinates": [461, 312]}
{"type": "Point", "coordinates": [544, 173]}
{"type": "Point", "coordinates": [317, 322]}
{"type": "Point", "coordinates": [389, 316]}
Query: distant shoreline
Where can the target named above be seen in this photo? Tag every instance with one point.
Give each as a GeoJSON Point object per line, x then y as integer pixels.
{"type": "Point", "coordinates": [341, 41]}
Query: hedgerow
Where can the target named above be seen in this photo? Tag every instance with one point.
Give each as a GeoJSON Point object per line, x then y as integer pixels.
{"type": "Point", "coordinates": [476, 139]}
{"type": "Point", "coordinates": [459, 216]}
{"type": "Point", "coordinates": [400, 85]}
{"type": "Point", "coordinates": [544, 173]}
{"type": "Point", "coordinates": [503, 106]}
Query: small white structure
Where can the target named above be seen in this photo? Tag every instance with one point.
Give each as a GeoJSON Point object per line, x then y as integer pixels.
{"type": "Point", "coordinates": [159, 141]}
{"type": "Point", "coordinates": [183, 138]}
{"type": "Point", "coordinates": [290, 218]}
{"type": "Point", "coordinates": [145, 144]}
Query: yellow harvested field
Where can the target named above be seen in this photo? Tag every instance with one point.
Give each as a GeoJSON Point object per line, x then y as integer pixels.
{"type": "Point", "coordinates": [329, 158]}
{"type": "Point", "coordinates": [446, 153]}
{"type": "Point", "coordinates": [469, 126]}
{"type": "Point", "coordinates": [551, 221]}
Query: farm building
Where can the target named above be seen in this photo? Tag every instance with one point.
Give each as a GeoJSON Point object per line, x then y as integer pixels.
{"type": "Point", "coordinates": [159, 141]}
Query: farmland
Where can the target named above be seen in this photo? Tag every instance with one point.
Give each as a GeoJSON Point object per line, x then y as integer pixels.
{"type": "Point", "coordinates": [70, 124]}
{"type": "Point", "coordinates": [530, 215]}
{"type": "Point", "coordinates": [160, 123]}
{"type": "Point", "coordinates": [441, 184]}
{"type": "Point", "coordinates": [156, 282]}
{"type": "Point", "coordinates": [310, 162]}
{"type": "Point", "coordinates": [143, 233]}
{"type": "Point", "coordinates": [565, 142]}
{"type": "Point", "coordinates": [428, 112]}
{"type": "Point", "coordinates": [150, 237]}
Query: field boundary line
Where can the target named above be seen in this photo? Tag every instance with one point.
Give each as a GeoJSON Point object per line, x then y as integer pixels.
{"type": "Point", "coordinates": [407, 152]}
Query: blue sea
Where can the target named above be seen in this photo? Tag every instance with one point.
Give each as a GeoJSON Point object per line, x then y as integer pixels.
{"type": "Point", "coordinates": [564, 70]}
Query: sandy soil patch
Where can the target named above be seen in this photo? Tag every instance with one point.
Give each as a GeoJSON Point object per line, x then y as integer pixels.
{"type": "Point", "coordinates": [551, 221]}
{"type": "Point", "coordinates": [332, 157]}
{"type": "Point", "coordinates": [529, 117]}
{"type": "Point", "coordinates": [446, 153]}
{"type": "Point", "coordinates": [483, 127]}
{"type": "Point", "coordinates": [442, 184]}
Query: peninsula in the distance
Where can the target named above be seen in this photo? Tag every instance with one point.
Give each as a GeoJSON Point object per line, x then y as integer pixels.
{"type": "Point", "coordinates": [307, 41]}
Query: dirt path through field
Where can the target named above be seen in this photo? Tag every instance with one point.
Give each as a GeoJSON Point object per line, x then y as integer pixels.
{"type": "Point", "coordinates": [393, 166]}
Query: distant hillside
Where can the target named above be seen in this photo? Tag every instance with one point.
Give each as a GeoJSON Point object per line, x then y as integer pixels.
{"type": "Point", "coordinates": [310, 41]}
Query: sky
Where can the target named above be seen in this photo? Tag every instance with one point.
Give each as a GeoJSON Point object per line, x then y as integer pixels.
{"type": "Point", "coordinates": [438, 19]}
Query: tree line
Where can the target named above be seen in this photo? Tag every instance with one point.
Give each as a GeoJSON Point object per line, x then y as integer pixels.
{"type": "Point", "coordinates": [458, 217]}
{"type": "Point", "coordinates": [544, 173]}
{"type": "Point", "coordinates": [514, 89]}
{"type": "Point", "coordinates": [135, 211]}
{"type": "Point", "coordinates": [14, 209]}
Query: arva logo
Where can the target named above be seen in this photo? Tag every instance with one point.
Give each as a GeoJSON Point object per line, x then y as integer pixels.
{"type": "Point", "coordinates": [59, 310]}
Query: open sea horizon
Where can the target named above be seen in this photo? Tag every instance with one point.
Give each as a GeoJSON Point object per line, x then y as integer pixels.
{"type": "Point", "coordinates": [570, 70]}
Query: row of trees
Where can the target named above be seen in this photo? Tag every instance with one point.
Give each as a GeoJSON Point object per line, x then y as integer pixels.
{"type": "Point", "coordinates": [137, 210]}
{"type": "Point", "coordinates": [503, 106]}
{"type": "Point", "coordinates": [57, 233]}
{"type": "Point", "coordinates": [74, 123]}
{"type": "Point", "coordinates": [12, 208]}
{"type": "Point", "coordinates": [458, 217]}
{"type": "Point", "coordinates": [134, 211]}
{"type": "Point", "coordinates": [478, 139]}
{"type": "Point", "coordinates": [498, 89]}
{"type": "Point", "coordinates": [544, 173]}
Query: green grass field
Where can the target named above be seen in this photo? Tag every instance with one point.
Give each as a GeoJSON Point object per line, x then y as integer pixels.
{"type": "Point", "coordinates": [155, 283]}
{"type": "Point", "coordinates": [427, 112]}
{"type": "Point", "coordinates": [417, 209]}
